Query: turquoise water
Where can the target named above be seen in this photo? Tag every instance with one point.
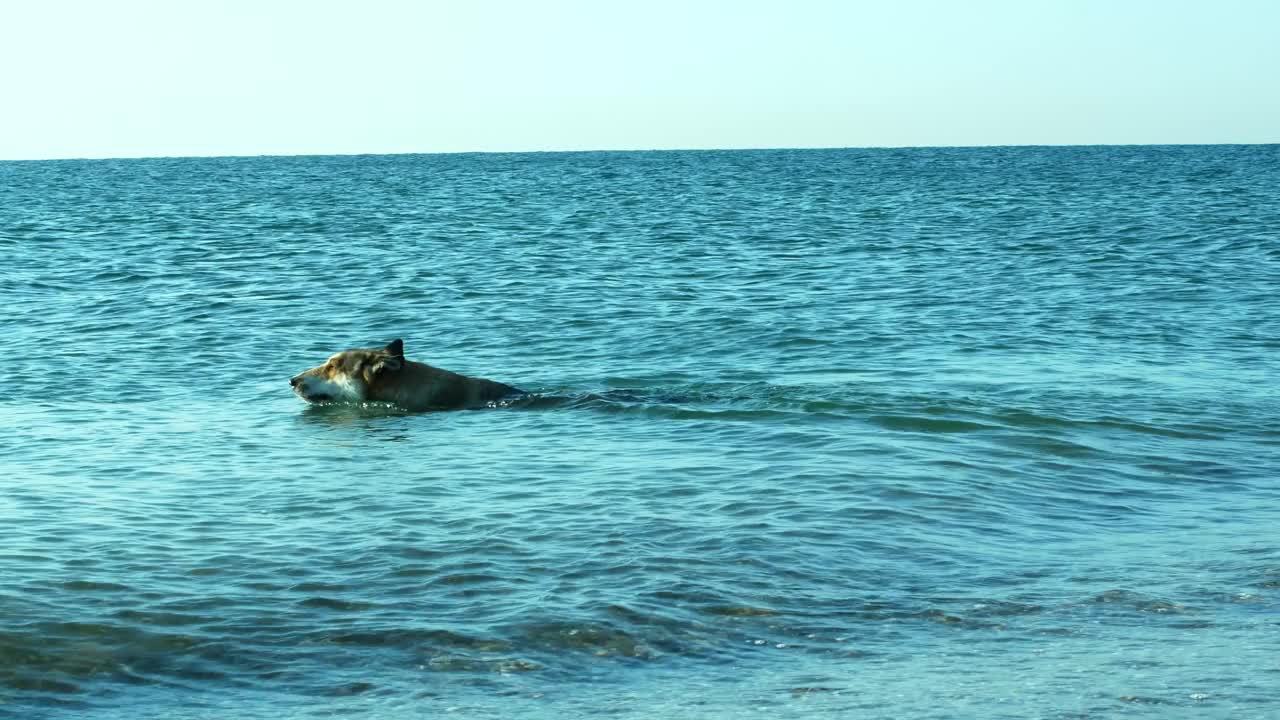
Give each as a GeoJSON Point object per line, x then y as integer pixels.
{"type": "Point", "coordinates": [961, 433]}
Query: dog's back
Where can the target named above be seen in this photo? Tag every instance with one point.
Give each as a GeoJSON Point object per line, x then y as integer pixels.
{"type": "Point", "coordinates": [418, 386]}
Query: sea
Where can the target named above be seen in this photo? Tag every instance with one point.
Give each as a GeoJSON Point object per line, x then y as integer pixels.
{"type": "Point", "coordinates": [860, 433]}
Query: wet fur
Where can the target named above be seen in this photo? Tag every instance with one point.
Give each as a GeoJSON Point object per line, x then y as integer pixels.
{"type": "Point", "coordinates": [384, 375]}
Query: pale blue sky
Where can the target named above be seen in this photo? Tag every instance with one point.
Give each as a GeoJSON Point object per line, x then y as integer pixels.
{"type": "Point", "coordinates": [130, 78]}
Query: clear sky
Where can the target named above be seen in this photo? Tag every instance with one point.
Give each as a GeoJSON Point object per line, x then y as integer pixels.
{"type": "Point", "coordinates": [129, 78]}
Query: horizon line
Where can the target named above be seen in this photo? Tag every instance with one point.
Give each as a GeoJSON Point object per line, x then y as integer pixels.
{"type": "Point", "coordinates": [235, 156]}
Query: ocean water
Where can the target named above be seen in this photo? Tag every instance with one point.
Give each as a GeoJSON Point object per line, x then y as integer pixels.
{"type": "Point", "coordinates": [919, 433]}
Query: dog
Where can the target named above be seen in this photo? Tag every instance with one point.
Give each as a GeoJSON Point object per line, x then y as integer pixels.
{"type": "Point", "coordinates": [385, 375]}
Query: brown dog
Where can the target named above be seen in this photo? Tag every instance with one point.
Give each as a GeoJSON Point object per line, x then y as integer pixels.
{"type": "Point", "coordinates": [385, 376]}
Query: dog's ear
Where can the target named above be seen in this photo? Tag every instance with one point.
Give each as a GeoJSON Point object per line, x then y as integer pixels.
{"type": "Point", "coordinates": [386, 364]}
{"type": "Point", "coordinates": [393, 363]}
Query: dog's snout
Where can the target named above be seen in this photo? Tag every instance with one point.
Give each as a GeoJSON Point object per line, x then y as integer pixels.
{"type": "Point", "coordinates": [295, 380]}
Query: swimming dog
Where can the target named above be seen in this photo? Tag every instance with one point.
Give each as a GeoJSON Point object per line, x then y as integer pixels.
{"type": "Point", "coordinates": [385, 376]}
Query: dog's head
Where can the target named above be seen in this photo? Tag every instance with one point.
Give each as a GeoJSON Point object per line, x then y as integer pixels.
{"type": "Point", "coordinates": [347, 376]}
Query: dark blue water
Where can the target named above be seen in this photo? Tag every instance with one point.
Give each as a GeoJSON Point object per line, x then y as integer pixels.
{"type": "Point", "coordinates": [964, 433]}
